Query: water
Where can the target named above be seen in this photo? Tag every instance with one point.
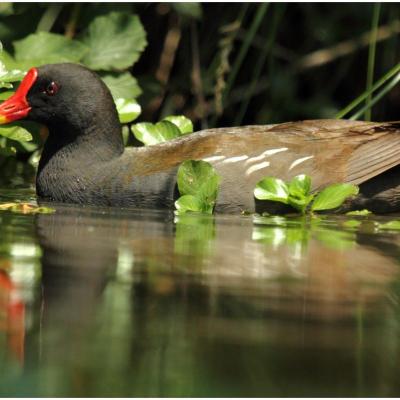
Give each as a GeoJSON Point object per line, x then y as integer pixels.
{"type": "Point", "coordinates": [108, 302]}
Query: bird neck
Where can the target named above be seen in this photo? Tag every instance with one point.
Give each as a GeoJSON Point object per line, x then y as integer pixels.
{"type": "Point", "coordinates": [93, 141]}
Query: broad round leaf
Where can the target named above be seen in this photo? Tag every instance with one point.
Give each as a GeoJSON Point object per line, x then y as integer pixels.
{"type": "Point", "coordinates": [188, 203]}
{"type": "Point", "coordinates": [197, 178]}
{"type": "Point", "coordinates": [15, 133]}
{"type": "Point", "coordinates": [333, 196]}
{"type": "Point", "coordinates": [46, 48]}
{"type": "Point", "coordinates": [300, 186]}
{"type": "Point", "coordinates": [184, 124]}
{"type": "Point", "coordinates": [151, 134]}
{"type": "Point", "coordinates": [273, 189]}
{"type": "Point", "coordinates": [122, 86]}
{"type": "Point", "coordinates": [391, 225]}
{"type": "Point", "coordinates": [115, 41]}
{"type": "Point", "coordinates": [128, 110]}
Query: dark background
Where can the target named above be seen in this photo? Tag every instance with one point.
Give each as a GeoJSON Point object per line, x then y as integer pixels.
{"type": "Point", "coordinates": [183, 75]}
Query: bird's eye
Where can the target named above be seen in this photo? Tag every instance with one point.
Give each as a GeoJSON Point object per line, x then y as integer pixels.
{"type": "Point", "coordinates": [51, 89]}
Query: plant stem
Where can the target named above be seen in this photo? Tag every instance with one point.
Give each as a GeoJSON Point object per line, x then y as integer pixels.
{"type": "Point", "coordinates": [73, 21]}
{"type": "Point", "coordinates": [382, 93]}
{"type": "Point", "coordinates": [359, 99]}
{"type": "Point", "coordinates": [371, 57]}
{"type": "Point", "coordinates": [260, 64]}
{"type": "Point", "coordinates": [49, 18]}
{"type": "Point", "coordinates": [245, 46]}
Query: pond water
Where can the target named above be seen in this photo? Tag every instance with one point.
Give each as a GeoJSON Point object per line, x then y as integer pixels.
{"type": "Point", "coordinates": [110, 302]}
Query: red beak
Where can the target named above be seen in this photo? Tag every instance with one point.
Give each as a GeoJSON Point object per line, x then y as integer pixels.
{"type": "Point", "coordinates": [17, 106]}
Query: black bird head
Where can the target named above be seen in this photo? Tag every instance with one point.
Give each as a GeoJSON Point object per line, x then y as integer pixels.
{"type": "Point", "coordinates": [60, 95]}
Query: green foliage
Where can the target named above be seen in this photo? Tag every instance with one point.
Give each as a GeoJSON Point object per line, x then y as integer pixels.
{"type": "Point", "coordinates": [114, 41]}
{"type": "Point", "coordinates": [333, 196]}
{"type": "Point", "coordinates": [25, 208]}
{"type": "Point", "coordinates": [128, 110]}
{"type": "Point", "coordinates": [122, 85]}
{"type": "Point", "coordinates": [297, 194]}
{"type": "Point", "coordinates": [169, 128]}
{"type": "Point", "coordinates": [111, 43]}
{"type": "Point", "coordinates": [46, 48]}
{"type": "Point", "coordinates": [391, 225]}
{"type": "Point", "coordinates": [184, 124]}
{"type": "Point", "coordinates": [198, 185]}
{"type": "Point", "coordinates": [359, 212]}
{"type": "Point", "coordinates": [293, 231]}
{"type": "Point", "coordinates": [15, 133]}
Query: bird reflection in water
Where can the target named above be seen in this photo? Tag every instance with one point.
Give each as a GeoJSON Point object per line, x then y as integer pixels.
{"type": "Point", "coordinates": [132, 300]}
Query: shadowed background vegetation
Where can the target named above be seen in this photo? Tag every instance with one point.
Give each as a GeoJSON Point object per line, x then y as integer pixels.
{"type": "Point", "coordinates": [218, 64]}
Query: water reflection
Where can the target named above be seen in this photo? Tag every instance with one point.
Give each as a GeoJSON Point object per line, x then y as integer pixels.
{"type": "Point", "coordinates": [139, 303]}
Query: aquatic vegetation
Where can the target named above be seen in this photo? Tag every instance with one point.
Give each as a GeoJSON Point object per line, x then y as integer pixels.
{"type": "Point", "coordinates": [198, 185]}
{"type": "Point", "coordinates": [297, 193]}
{"type": "Point", "coordinates": [169, 128]}
{"type": "Point", "coordinates": [25, 208]}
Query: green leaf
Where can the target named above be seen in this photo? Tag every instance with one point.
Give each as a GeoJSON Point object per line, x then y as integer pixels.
{"type": "Point", "coordinates": [199, 179]}
{"type": "Point", "coordinates": [333, 196]}
{"type": "Point", "coordinates": [194, 176]}
{"type": "Point", "coordinates": [188, 203]}
{"type": "Point", "coordinates": [14, 75]}
{"type": "Point", "coordinates": [6, 95]}
{"type": "Point", "coordinates": [115, 41]}
{"type": "Point", "coordinates": [122, 86]}
{"type": "Point", "coordinates": [151, 134]}
{"type": "Point", "coordinates": [15, 133]}
{"type": "Point", "coordinates": [352, 223]}
{"type": "Point", "coordinates": [300, 203]}
{"type": "Point", "coordinates": [188, 9]}
{"type": "Point", "coordinates": [46, 48]}
{"type": "Point", "coordinates": [359, 212]}
{"type": "Point", "coordinates": [273, 189]}
{"type": "Point", "coordinates": [128, 110]}
{"type": "Point", "coordinates": [184, 124]}
{"type": "Point", "coordinates": [391, 225]}
{"type": "Point", "coordinates": [300, 186]}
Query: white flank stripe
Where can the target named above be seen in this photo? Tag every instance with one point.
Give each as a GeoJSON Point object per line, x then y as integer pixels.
{"type": "Point", "coordinates": [256, 167]}
{"type": "Point", "coordinates": [214, 158]}
{"type": "Point", "coordinates": [236, 159]}
{"type": "Point", "coordinates": [299, 161]}
{"type": "Point", "coordinates": [254, 159]}
{"type": "Point", "coordinates": [274, 151]}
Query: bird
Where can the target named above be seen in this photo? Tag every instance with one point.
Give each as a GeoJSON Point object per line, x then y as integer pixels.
{"type": "Point", "coordinates": [84, 160]}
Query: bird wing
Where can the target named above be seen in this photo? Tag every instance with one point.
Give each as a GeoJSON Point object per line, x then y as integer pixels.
{"type": "Point", "coordinates": [329, 151]}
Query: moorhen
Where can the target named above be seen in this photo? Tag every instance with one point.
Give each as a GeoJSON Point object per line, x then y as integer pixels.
{"type": "Point", "coordinates": [84, 160]}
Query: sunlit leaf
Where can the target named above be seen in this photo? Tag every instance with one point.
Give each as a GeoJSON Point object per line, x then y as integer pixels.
{"type": "Point", "coordinates": [14, 75]}
{"type": "Point", "coordinates": [199, 179]}
{"type": "Point", "coordinates": [151, 134]}
{"type": "Point", "coordinates": [273, 189]}
{"type": "Point", "coordinates": [300, 186]}
{"type": "Point", "coordinates": [122, 86]}
{"type": "Point", "coordinates": [15, 133]}
{"type": "Point", "coordinates": [184, 124]}
{"type": "Point", "coordinates": [352, 223]}
{"type": "Point", "coordinates": [115, 41]}
{"type": "Point", "coordinates": [128, 110]}
{"type": "Point", "coordinates": [391, 225]}
{"type": "Point", "coordinates": [188, 203]}
{"type": "Point", "coordinates": [359, 212]}
{"type": "Point", "coordinates": [333, 196]}
{"type": "Point", "coordinates": [46, 48]}
{"type": "Point", "coordinates": [25, 208]}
